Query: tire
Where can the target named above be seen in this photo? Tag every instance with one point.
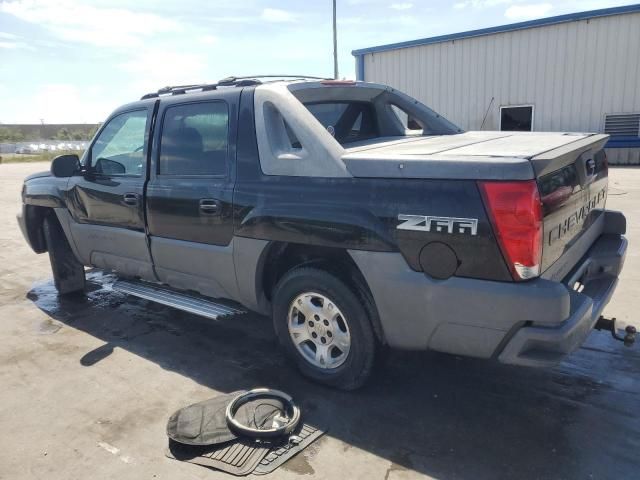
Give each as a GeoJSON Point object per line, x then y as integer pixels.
{"type": "Point", "coordinates": [68, 272]}
{"type": "Point", "coordinates": [346, 340]}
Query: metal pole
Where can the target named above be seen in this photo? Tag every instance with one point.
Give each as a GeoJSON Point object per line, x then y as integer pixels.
{"type": "Point", "coordinates": [487, 112]}
{"type": "Point", "coordinates": [335, 43]}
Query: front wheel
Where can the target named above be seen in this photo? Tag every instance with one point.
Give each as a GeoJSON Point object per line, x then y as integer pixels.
{"type": "Point", "coordinates": [68, 272]}
{"type": "Point", "coordinates": [324, 328]}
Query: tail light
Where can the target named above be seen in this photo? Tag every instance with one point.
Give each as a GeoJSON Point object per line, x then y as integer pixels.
{"type": "Point", "coordinates": [515, 211]}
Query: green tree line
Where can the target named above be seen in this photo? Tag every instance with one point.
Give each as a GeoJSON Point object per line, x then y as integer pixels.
{"type": "Point", "coordinates": [13, 135]}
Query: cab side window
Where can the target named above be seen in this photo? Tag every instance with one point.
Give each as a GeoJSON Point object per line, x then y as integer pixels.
{"type": "Point", "coordinates": [120, 147]}
{"type": "Point", "coordinates": [195, 139]}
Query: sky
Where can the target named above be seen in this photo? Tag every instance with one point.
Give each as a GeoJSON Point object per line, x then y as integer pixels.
{"type": "Point", "coordinates": [75, 61]}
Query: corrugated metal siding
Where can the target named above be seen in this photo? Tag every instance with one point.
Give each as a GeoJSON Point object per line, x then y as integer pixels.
{"type": "Point", "coordinates": [573, 73]}
{"type": "Point", "coordinates": [623, 156]}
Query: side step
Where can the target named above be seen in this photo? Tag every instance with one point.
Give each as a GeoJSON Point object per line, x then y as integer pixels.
{"type": "Point", "coordinates": [182, 301]}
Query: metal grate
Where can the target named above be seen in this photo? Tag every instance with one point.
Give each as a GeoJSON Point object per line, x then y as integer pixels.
{"type": "Point", "coordinates": [622, 125]}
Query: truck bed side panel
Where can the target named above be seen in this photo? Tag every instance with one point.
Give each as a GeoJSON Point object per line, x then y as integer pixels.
{"type": "Point", "coordinates": [349, 213]}
{"type": "Point", "coordinates": [359, 213]}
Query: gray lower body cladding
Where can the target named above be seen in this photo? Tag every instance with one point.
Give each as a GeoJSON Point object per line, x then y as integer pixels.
{"type": "Point", "coordinates": [533, 323]}
{"type": "Point", "coordinates": [207, 269]}
{"type": "Point", "coordinates": [120, 249]}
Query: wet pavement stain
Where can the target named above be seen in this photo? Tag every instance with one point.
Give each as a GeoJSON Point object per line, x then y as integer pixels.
{"type": "Point", "coordinates": [48, 327]}
{"type": "Point", "coordinates": [124, 423]}
{"type": "Point", "coordinates": [299, 464]}
{"type": "Point", "coordinates": [400, 462]}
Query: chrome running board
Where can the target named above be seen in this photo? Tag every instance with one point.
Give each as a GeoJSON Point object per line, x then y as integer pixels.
{"type": "Point", "coordinates": [182, 301]}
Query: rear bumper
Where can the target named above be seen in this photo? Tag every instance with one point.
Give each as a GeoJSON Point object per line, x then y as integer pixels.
{"type": "Point", "coordinates": [597, 275]}
{"type": "Point", "coordinates": [534, 323]}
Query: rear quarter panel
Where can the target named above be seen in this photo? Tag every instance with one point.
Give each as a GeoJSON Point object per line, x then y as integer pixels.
{"type": "Point", "coordinates": [362, 214]}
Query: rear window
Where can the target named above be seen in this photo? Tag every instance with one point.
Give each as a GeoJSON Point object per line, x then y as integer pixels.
{"type": "Point", "coordinates": [346, 121]}
{"type": "Point", "coordinates": [194, 139]}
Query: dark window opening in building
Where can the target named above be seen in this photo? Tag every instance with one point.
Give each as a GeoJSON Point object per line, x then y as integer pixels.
{"type": "Point", "coordinates": [518, 119]}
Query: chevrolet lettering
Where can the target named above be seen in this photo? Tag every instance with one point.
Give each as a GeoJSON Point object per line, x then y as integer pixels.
{"type": "Point", "coordinates": [577, 218]}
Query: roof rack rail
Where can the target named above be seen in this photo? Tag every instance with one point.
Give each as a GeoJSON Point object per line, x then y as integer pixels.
{"type": "Point", "coordinates": [243, 81]}
{"type": "Point", "coordinates": [179, 89]}
{"type": "Point", "coordinates": [232, 80]}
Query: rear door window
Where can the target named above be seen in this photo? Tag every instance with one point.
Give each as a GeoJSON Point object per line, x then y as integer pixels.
{"type": "Point", "coordinates": [194, 139]}
{"type": "Point", "coordinates": [346, 121]}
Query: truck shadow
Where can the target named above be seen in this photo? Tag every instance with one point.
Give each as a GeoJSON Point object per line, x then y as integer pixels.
{"type": "Point", "coordinates": [435, 414]}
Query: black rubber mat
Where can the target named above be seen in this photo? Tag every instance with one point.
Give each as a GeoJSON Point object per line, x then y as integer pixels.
{"type": "Point", "coordinates": [239, 457]}
{"type": "Point", "coordinates": [244, 456]}
{"type": "Point", "coordinates": [278, 455]}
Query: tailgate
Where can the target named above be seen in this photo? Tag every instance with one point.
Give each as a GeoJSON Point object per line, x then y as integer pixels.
{"type": "Point", "coordinates": [572, 181]}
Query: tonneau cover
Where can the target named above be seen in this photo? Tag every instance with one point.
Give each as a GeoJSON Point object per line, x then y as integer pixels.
{"type": "Point", "coordinates": [470, 155]}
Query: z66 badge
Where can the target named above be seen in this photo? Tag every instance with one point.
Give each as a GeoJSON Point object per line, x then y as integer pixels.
{"type": "Point", "coordinates": [427, 223]}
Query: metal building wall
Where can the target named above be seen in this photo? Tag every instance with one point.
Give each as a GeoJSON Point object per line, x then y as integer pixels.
{"type": "Point", "coordinates": [573, 73]}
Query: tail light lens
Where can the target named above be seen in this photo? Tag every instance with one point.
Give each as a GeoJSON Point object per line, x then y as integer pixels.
{"type": "Point", "coordinates": [515, 211]}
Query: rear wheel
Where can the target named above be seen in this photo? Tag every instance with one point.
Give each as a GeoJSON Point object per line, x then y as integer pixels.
{"type": "Point", "coordinates": [68, 272]}
{"type": "Point", "coordinates": [324, 328]}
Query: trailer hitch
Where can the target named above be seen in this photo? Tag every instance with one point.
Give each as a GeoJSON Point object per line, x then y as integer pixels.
{"type": "Point", "coordinates": [609, 324]}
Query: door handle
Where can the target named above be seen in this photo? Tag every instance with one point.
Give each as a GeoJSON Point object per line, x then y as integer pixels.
{"type": "Point", "coordinates": [130, 198]}
{"type": "Point", "coordinates": [210, 206]}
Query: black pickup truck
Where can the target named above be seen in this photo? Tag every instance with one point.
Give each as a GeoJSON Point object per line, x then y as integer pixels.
{"type": "Point", "coordinates": [350, 213]}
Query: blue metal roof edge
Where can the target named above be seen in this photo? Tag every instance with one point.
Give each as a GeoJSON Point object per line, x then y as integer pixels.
{"type": "Point", "coordinates": [603, 12]}
{"type": "Point", "coordinates": [623, 142]}
{"type": "Point", "coordinates": [360, 68]}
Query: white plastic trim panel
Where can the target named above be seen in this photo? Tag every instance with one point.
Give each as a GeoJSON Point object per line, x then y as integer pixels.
{"type": "Point", "coordinates": [320, 155]}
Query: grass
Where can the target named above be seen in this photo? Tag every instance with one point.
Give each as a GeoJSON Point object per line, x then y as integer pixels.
{"type": "Point", "coordinates": [38, 157]}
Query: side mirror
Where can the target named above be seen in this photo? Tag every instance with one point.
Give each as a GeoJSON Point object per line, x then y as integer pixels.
{"type": "Point", "coordinates": [109, 167]}
{"type": "Point", "coordinates": [65, 165]}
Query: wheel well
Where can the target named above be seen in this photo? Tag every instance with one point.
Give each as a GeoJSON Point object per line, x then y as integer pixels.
{"type": "Point", "coordinates": [34, 221]}
{"type": "Point", "coordinates": [283, 257]}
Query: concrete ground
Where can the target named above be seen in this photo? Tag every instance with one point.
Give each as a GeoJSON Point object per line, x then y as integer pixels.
{"type": "Point", "coordinates": [87, 387]}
